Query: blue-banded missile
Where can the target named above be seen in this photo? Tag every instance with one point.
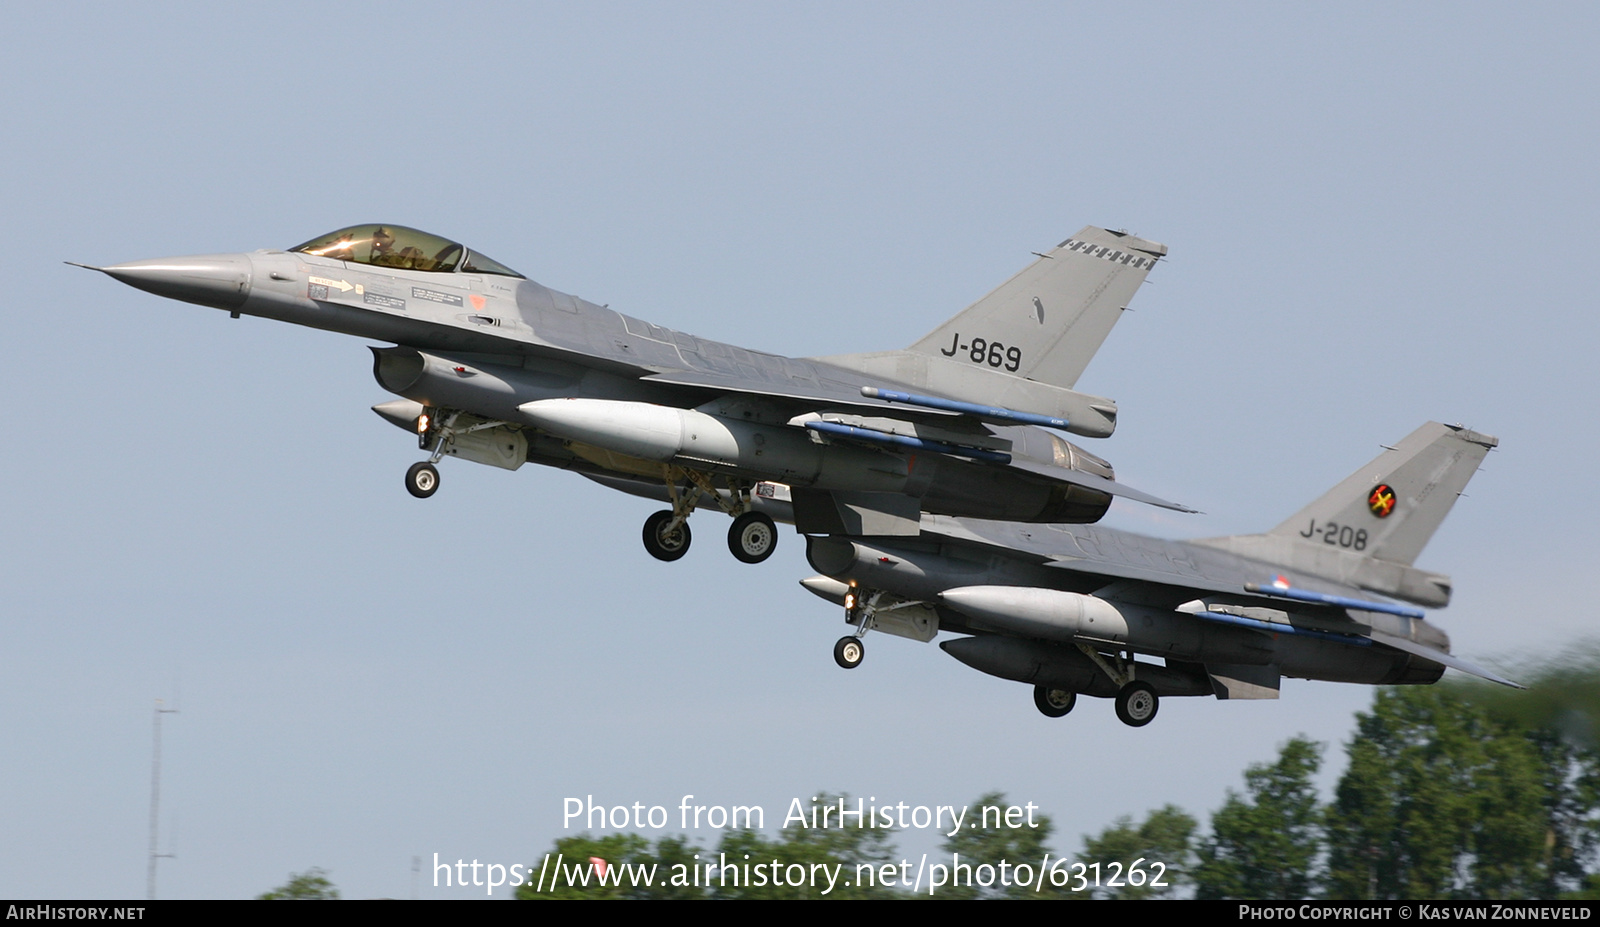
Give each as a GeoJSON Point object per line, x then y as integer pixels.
{"type": "Point", "coordinates": [982, 412]}
{"type": "Point", "coordinates": [1278, 627]}
{"type": "Point", "coordinates": [908, 442]}
{"type": "Point", "coordinates": [1338, 601]}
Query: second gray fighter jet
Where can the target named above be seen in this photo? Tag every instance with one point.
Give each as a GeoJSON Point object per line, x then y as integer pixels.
{"type": "Point", "coordinates": [1069, 609]}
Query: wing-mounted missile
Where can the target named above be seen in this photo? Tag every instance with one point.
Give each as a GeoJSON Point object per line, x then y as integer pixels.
{"type": "Point", "coordinates": [983, 413]}
{"type": "Point", "coordinates": [902, 442]}
{"type": "Point", "coordinates": [1282, 590]}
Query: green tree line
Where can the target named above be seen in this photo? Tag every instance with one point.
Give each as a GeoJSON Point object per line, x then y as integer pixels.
{"type": "Point", "coordinates": [1460, 791]}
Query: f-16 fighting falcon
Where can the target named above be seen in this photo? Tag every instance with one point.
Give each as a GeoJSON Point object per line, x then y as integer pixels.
{"type": "Point", "coordinates": [494, 368]}
{"type": "Point", "coordinates": [1069, 608]}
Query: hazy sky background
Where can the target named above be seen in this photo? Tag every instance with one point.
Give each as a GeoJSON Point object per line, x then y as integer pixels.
{"type": "Point", "coordinates": [1377, 215]}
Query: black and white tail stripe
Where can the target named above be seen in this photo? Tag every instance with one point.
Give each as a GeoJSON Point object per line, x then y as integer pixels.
{"type": "Point", "coordinates": [1109, 254]}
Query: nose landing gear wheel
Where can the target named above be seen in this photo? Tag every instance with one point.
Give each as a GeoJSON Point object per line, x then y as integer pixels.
{"type": "Point", "coordinates": [1137, 704]}
{"type": "Point", "coordinates": [753, 537]}
{"type": "Point", "coordinates": [1053, 703]}
{"type": "Point", "coordinates": [848, 652]}
{"type": "Point", "coordinates": [422, 480]}
{"type": "Point", "coordinates": [663, 544]}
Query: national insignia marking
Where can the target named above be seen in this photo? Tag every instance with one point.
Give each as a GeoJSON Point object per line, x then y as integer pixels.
{"type": "Point", "coordinates": [1381, 501]}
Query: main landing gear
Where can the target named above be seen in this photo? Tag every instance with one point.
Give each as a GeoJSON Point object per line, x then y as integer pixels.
{"type": "Point", "coordinates": [1137, 704]}
{"type": "Point", "coordinates": [1136, 701]}
{"type": "Point", "coordinates": [752, 538]}
{"type": "Point", "coordinates": [665, 537]}
{"type": "Point", "coordinates": [1054, 703]}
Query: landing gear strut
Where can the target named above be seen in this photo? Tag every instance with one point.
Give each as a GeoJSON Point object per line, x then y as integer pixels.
{"type": "Point", "coordinates": [422, 479]}
{"type": "Point", "coordinates": [849, 651]}
{"type": "Point", "coordinates": [1136, 701]}
{"type": "Point", "coordinates": [752, 538]}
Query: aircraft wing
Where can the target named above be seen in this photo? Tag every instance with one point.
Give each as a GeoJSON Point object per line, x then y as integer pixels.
{"type": "Point", "coordinates": [820, 395]}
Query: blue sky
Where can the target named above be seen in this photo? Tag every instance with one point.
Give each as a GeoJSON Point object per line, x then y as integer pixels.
{"type": "Point", "coordinates": [1377, 215]}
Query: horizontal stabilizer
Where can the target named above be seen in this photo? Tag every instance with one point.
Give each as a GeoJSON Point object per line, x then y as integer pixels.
{"type": "Point", "coordinates": [1442, 658]}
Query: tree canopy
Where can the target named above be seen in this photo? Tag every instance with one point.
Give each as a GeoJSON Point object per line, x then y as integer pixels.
{"type": "Point", "coordinates": [311, 885]}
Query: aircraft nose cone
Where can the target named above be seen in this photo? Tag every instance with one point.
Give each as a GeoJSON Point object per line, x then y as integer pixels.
{"type": "Point", "coordinates": [219, 280]}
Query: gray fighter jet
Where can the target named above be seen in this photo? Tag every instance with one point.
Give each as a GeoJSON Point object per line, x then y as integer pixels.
{"type": "Point", "coordinates": [1069, 608]}
{"type": "Point", "coordinates": [497, 369]}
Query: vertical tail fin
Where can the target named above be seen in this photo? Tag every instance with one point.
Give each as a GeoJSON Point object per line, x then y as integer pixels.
{"type": "Point", "coordinates": [1369, 529]}
{"type": "Point", "coordinates": [1056, 312]}
{"type": "Point", "coordinates": [1391, 507]}
{"type": "Point", "coordinates": [1025, 344]}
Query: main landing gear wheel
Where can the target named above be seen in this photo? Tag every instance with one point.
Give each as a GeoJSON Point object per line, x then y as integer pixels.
{"type": "Point", "coordinates": [661, 543]}
{"type": "Point", "coordinates": [422, 480]}
{"type": "Point", "coordinates": [1137, 704]}
{"type": "Point", "coordinates": [1053, 703]}
{"type": "Point", "coordinates": [753, 537]}
{"type": "Point", "coordinates": [849, 652]}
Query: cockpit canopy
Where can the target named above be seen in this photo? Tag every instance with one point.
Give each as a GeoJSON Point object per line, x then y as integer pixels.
{"type": "Point", "coordinates": [400, 247]}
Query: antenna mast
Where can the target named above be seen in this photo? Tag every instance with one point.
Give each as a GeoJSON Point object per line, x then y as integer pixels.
{"type": "Point", "coordinates": [155, 798]}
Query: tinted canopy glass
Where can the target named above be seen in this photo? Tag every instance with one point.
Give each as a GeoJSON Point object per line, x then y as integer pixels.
{"type": "Point", "coordinates": [401, 247]}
